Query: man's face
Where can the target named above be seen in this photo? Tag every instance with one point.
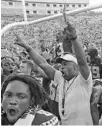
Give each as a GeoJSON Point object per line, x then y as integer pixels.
{"type": "Point", "coordinates": [68, 69]}
{"type": "Point", "coordinates": [16, 100]}
{"type": "Point", "coordinates": [24, 68]}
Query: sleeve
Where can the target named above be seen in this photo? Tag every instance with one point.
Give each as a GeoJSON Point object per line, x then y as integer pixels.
{"type": "Point", "coordinates": [57, 77]}
{"type": "Point", "coordinates": [87, 84]}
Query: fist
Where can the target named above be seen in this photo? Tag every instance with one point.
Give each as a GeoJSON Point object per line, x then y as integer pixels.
{"type": "Point", "coordinates": [70, 32]}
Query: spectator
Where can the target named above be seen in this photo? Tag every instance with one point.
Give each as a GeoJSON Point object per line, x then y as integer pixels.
{"type": "Point", "coordinates": [96, 102]}
{"type": "Point", "coordinates": [23, 55]}
{"type": "Point", "coordinates": [75, 81]}
{"type": "Point", "coordinates": [17, 59]}
{"type": "Point", "coordinates": [59, 50]}
{"type": "Point", "coordinates": [95, 63]}
{"type": "Point", "coordinates": [7, 64]}
{"type": "Point", "coordinates": [26, 67]}
{"type": "Point", "coordinates": [22, 98]}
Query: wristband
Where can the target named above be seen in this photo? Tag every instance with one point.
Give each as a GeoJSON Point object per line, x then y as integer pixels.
{"type": "Point", "coordinates": [28, 49]}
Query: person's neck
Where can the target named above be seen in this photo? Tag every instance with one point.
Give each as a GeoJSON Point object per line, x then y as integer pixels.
{"type": "Point", "coordinates": [11, 123]}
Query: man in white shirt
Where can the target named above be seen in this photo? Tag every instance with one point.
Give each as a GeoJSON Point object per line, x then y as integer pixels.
{"type": "Point", "coordinates": [75, 81]}
{"type": "Point", "coordinates": [74, 92]}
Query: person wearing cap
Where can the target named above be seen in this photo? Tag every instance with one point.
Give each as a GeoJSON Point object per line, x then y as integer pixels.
{"type": "Point", "coordinates": [74, 80]}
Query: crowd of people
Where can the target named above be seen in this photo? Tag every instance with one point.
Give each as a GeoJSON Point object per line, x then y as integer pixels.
{"type": "Point", "coordinates": [59, 83]}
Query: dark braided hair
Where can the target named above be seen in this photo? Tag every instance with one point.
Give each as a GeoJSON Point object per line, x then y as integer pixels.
{"type": "Point", "coordinates": [37, 92]}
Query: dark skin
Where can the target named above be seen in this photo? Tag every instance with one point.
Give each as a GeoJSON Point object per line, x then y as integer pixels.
{"type": "Point", "coordinates": [69, 69]}
{"type": "Point", "coordinates": [96, 97]}
{"type": "Point", "coordinates": [16, 96]}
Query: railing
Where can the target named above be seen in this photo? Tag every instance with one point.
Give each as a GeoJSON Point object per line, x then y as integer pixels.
{"type": "Point", "coordinates": [73, 12]}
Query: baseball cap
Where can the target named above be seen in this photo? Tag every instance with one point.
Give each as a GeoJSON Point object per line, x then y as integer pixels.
{"type": "Point", "coordinates": [67, 57]}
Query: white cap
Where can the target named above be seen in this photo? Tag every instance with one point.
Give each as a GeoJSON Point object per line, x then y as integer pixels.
{"type": "Point", "coordinates": [67, 57]}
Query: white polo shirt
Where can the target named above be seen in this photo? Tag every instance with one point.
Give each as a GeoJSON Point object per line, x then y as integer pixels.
{"type": "Point", "coordinates": [77, 100]}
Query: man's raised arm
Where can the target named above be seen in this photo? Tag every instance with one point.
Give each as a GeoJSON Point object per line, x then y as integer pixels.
{"type": "Point", "coordinates": [38, 59]}
{"type": "Point", "coordinates": [79, 52]}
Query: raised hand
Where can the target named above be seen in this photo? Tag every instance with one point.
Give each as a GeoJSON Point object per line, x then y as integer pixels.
{"type": "Point", "coordinates": [71, 32]}
{"type": "Point", "coordinates": [19, 41]}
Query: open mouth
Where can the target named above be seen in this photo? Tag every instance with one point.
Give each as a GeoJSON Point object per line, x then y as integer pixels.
{"type": "Point", "coordinates": [12, 112]}
{"type": "Point", "coordinates": [63, 74]}
{"type": "Point", "coordinates": [11, 71]}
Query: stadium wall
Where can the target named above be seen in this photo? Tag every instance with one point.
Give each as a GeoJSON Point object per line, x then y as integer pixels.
{"type": "Point", "coordinates": [39, 7]}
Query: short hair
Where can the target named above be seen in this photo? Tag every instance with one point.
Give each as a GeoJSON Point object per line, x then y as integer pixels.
{"type": "Point", "coordinates": [8, 57]}
{"type": "Point", "coordinates": [3, 59]}
{"type": "Point", "coordinates": [93, 52]}
{"type": "Point", "coordinates": [37, 92]}
{"type": "Point", "coordinates": [29, 62]}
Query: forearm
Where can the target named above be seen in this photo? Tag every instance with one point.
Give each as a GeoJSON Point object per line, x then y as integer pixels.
{"type": "Point", "coordinates": [38, 59]}
{"type": "Point", "coordinates": [95, 114]}
{"type": "Point", "coordinates": [82, 63]}
{"type": "Point", "coordinates": [42, 73]}
{"type": "Point", "coordinates": [79, 52]}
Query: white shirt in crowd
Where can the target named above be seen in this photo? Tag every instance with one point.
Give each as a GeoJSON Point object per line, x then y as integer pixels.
{"type": "Point", "coordinates": [77, 100]}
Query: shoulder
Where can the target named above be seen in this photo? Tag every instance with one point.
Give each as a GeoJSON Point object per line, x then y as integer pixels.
{"type": "Point", "coordinates": [58, 76]}
{"type": "Point", "coordinates": [86, 84]}
{"type": "Point", "coordinates": [45, 118]}
{"type": "Point", "coordinates": [88, 80]}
